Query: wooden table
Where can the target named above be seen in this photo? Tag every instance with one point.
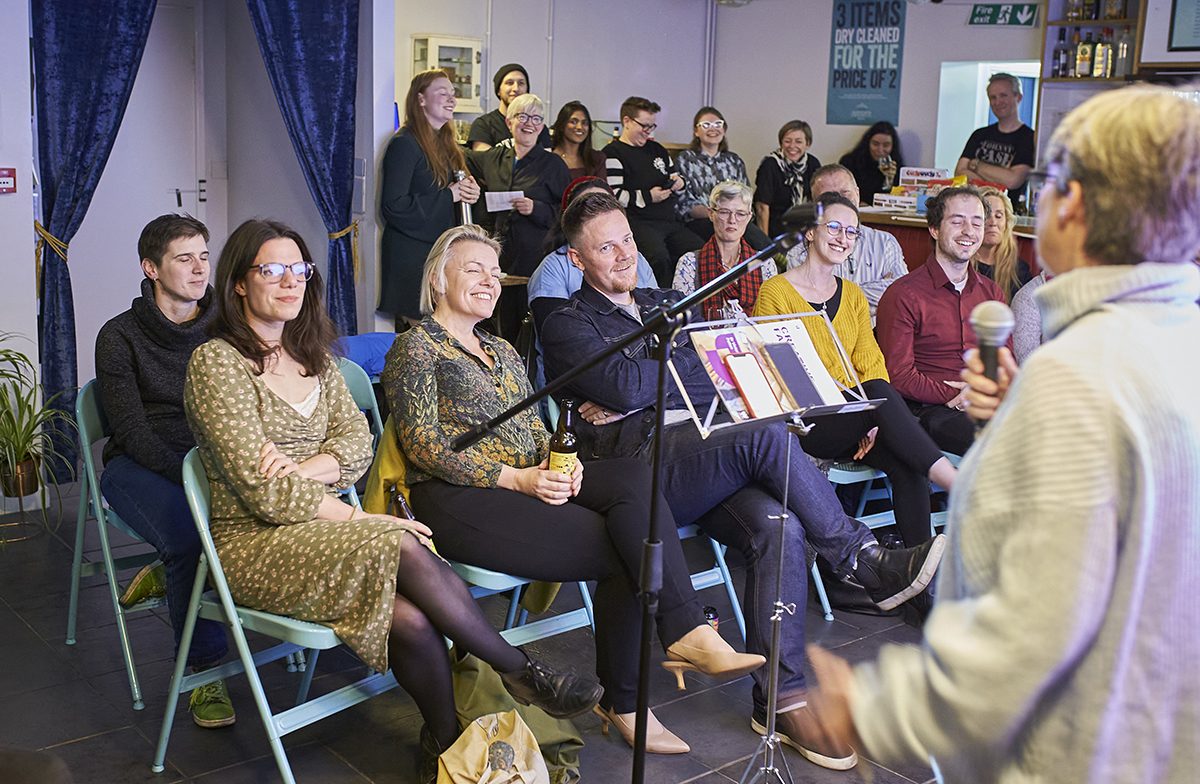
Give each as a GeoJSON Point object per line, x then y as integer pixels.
{"type": "Point", "coordinates": [912, 232]}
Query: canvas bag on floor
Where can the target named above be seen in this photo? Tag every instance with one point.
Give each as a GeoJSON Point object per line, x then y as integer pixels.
{"type": "Point", "coordinates": [494, 749]}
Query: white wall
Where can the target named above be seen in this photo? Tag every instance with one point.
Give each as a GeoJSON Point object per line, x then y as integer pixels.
{"type": "Point", "coordinates": [18, 295]}
{"type": "Point", "coordinates": [773, 65]}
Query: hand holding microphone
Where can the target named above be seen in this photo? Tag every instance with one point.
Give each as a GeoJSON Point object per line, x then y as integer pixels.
{"type": "Point", "coordinates": [991, 367]}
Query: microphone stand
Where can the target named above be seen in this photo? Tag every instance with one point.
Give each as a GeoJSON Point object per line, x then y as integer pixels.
{"type": "Point", "coordinates": [664, 325]}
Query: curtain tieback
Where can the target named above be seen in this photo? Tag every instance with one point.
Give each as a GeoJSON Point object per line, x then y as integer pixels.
{"type": "Point", "coordinates": [352, 230]}
{"type": "Point", "coordinates": [46, 238]}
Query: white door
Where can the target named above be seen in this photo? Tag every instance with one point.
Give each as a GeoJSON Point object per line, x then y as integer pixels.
{"type": "Point", "coordinates": [156, 153]}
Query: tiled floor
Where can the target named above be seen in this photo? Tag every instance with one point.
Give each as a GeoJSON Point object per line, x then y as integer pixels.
{"type": "Point", "coordinates": [74, 701]}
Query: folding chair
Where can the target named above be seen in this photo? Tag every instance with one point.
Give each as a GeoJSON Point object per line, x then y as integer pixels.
{"type": "Point", "coordinates": [294, 636]}
{"type": "Point", "coordinates": [363, 393]}
{"type": "Point", "coordinates": [93, 426]}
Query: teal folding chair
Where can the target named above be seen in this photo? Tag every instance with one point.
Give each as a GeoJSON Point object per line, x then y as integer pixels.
{"type": "Point", "coordinates": [718, 575]}
{"type": "Point", "coordinates": [93, 426]}
{"type": "Point", "coordinates": [364, 397]}
{"type": "Point", "coordinates": [294, 636]}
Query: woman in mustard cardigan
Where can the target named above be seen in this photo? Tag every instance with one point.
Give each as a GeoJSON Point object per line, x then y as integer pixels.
{"type": "Point", "coordinates": [887, 438]}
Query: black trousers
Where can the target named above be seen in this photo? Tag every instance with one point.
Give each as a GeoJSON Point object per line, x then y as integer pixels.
{"type": "Point", "coordinates": [597, 536]}
{"type": "Point", "coordinates": [951, 429]}
{"type": "Point", "coordinates": [662, 242]}
{"type": "Point", "coordinates": [903, 451]}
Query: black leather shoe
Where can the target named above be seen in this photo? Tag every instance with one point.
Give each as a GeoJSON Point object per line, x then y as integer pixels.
{"type": "Point", "coordinates": [563, 695]}
{"type": "Point", "coordinates": [892, 577]}
{"type": "Point", "coordinates": [427, 770]}
{"type": "Point", "coordinates": [917, 609]}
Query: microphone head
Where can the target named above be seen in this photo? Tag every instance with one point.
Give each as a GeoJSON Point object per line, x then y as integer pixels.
{"type": "Point", "coordinates": [992, 322]}
{"type": "Point", "coordinates": [802, 217]}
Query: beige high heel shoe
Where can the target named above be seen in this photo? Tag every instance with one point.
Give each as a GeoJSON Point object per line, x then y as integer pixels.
{"type": "Point", "coordinates": [703, 650]}
{"type": "Point", "coordinates": [659, 739]}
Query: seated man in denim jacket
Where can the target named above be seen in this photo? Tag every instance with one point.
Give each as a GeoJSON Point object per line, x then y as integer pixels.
{"type": "Point", "coordinates": [698, 475]}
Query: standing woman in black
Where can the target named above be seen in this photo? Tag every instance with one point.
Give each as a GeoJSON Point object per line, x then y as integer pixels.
{"type": "Point", "coordinates": [419, 191]}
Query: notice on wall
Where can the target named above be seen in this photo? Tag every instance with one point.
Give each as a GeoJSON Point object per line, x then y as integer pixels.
{"type": "Point", "coordinates": [865, 59]}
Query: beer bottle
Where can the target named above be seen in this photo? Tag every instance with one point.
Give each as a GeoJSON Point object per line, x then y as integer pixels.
{"type": "Point", "coordinates": [563, 449]}
{"type": "Point", "coordinates": [400, 507]}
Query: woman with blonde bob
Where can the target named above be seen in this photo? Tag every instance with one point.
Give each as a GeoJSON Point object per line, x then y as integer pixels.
{"type": "Point", "coordinates": [501, 505]}
{"type": "Point", "coordinates": [997, 255]}
{"type": "Point", "coordinates": [1062, 646]}
{"type": "Point", "coordinates": [419, 190]}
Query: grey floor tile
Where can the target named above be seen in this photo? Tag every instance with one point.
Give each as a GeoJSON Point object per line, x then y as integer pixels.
{"type": "Point", "coordinates": [30, 664]}
{"type": "Point", "coordinates": [56, 714]}
{"type": "Point", "coordinates": [310, 763]}
{"type": "Point", "coordinates": [123, 755]}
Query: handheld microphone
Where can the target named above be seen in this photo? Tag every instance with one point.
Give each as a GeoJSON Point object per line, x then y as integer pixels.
{"type": "Point", "coordinates": [802, 217]}
{"type": "Point", "coordinates": [993, 323]}
{"type": "Point", "coordinates": [464, 209]}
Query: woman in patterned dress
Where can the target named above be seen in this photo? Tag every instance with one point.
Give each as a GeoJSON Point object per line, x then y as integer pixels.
{"type": "Point", "coordinates": [497, 504]}
{"type": "Point", "coordinates": [278, 432]}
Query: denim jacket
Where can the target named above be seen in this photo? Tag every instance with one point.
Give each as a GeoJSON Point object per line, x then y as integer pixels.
{"type": "Point", "coordinates": [590, 322]}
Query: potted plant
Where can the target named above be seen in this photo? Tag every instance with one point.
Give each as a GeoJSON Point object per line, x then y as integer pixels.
{"type": "Point", "coordinates": [28, 426]}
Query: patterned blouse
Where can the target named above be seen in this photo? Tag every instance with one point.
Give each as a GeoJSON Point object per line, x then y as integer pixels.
{"type": "Point", "coordinates": [703, 173]}
{"type": "Point", "coordinates": [438, 390]}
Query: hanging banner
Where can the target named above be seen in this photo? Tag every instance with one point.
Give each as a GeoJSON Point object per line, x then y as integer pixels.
{"type": "Point", "coordinates": [865, 58]}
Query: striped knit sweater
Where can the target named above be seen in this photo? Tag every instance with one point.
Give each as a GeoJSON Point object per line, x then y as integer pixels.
{"type": "Point", "coordinates": [1065, 644]}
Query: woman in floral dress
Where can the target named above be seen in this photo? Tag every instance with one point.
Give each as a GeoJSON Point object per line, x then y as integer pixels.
{"type": "Point", "coordinates": [278, 433]}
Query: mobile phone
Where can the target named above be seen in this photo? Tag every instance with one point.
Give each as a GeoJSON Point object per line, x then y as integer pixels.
{"type": "Point", "coordinates": [752, 385]}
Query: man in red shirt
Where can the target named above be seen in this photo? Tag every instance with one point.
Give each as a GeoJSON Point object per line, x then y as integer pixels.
{"type": "Point", "coordinates": [923, 324]}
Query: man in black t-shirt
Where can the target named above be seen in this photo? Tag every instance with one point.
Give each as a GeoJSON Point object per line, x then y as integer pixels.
{"type": "Point", "coordinates": [492, 128]}
{"type": "Point", "coordinates": [644, 179]}
{"type": "Point", "coordinates": [1001, 153]}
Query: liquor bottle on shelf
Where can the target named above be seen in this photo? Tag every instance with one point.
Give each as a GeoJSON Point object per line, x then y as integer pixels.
{"type": "Point", "coordinates": [564, 447]}
{"type": "Point", "coordinates": [1114, 9]}
{"type": "Point", "coordinates": [1083, 57]}
{"type": "Point", "coordinates": [1070, 72]}
{"type": "Point", "coordinates": [1123, 55]}
{"type": "Point", "coordinates": [1058, 65]}
{"type": "Point", "coordinates": [1074, 10]}
{"type": "Point", "coordinates": [1102, 61]}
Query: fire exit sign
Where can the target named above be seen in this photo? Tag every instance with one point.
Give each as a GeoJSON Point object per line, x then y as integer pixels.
{"type": "Point", "coordinates": [1008, 14]}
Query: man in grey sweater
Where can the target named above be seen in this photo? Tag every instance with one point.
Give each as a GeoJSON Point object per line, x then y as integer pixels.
{"type": "Point", "coordinates": [1064, 641]}
{"type": "Point", "coordinates": [141, 362]}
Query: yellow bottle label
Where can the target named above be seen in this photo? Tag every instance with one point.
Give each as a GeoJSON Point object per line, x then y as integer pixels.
{"type": "Point", "coordinates": [563, 462]}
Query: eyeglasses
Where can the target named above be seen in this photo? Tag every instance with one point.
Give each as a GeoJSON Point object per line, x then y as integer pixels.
{"type": "Point", "coordinates": [1055, 173]}
{"type": "Point", "coordinates": [725, 215]}
{"type": "Point", "coordinates": [274, 272]}
{"type": "Point", "coordinates": [647, 128]}
{"type": "Point", "coordinates": [533, 119]}
{"type": "Point", "coordinates": [707, 124]}
{"type": "Point", "coordinates": [834, 228]}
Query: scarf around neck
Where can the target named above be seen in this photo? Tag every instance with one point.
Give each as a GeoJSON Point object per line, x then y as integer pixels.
{"type": "Point", "coordinates": [709, 266]}
{"type": "Point", "coordinates": [793, 173]}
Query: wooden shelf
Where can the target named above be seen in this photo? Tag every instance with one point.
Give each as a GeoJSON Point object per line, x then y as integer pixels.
{"type": "Point", "coordinates": [1095, 23]}
{"type": "Point", "coordinates": [1084, 79]}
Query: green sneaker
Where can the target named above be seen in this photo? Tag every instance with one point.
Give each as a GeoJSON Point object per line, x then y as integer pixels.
{"type": "Point", "coordinates": [210, 705]}
{"type": "Point", "coordinates": [149, 583]}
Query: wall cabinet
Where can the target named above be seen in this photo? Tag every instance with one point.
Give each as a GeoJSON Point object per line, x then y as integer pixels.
{"type": "Point", "coordinates": [460, 58]}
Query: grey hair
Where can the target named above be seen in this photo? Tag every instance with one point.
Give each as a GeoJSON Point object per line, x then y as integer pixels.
{"type": "Point", "coordinates": [1007, 77]}
{"type": "Point", "coordinates": [1135, 153]}
{"type": "Point", "coordinates": [731, 189]}
{"type": "Point", "coordinates": [523, 103]}
{"type": "Point", "coordinates": [433, 276]}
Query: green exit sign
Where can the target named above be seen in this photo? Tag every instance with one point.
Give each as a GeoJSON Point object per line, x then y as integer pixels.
{"type": "Point", "coordinates": [1011, 14]}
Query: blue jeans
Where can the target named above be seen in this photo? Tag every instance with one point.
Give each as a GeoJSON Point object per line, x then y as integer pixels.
{"type": "Point", "coordinates": [156, 508]}
{"type": "Point", "coordinates": [703, 481]}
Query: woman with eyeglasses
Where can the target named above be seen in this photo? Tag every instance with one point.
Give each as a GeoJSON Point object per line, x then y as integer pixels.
{"type": "Point", "coordinates": [888, 438]}
{"type": "Point", "coordinates": [572, 135]}
{"type": "Point", "coordinates": [706, 163]}
{"type": "Point", "coordinates": [420, 195]}
{"type": "Point", "coordinates": [729, 215]}
{"type": "Point", "coordinates": [279, 434]}
{"type": "Point", "coordinates": [521, 164]}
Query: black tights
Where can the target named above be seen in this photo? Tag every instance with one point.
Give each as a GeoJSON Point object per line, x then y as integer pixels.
{"type": "Point", "coordinates": [432, 602]}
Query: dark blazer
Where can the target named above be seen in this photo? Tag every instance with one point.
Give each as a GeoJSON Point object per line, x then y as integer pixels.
{"type": "Point", "coordinates": [627, 381]}
{"type": "Point", "coordinates": [415, 212]}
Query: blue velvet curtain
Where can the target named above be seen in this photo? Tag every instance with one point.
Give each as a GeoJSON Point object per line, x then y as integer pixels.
{"type": "Point", "coordinates": [85, 57]}
{"type": "Point", "coordinates": [311, 53]}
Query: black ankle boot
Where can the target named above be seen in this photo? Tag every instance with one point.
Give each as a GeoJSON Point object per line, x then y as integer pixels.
{"type": "Point", "coordinates": [892, 577]}
{"type": "Point", "coordinates": [427, 768]}
{"type": "Point", "coordinates": [563, 695]}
